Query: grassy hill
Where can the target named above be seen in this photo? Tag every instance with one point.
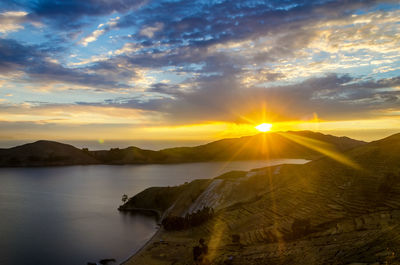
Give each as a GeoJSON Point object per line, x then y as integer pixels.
{"type": "Point", "coordinates": [45, 153]}
{"type": "Point", "coordinates": [303, 144]}
{"type": "Point", "coordinates": [260, 146]}
{"type": "Point", "coordinates": [322, 212]}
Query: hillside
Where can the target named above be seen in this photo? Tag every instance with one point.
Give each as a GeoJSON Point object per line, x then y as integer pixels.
{"type": "Point", "coordinates": [262, 146]}
{"type": "Point", "coordinates": [45, 153]}
{"type": "Point", "coordinates": [322, 212]}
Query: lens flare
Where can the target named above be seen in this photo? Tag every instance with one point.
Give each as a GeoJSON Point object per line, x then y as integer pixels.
{"type": "Point", "coordinates": [264, 127]}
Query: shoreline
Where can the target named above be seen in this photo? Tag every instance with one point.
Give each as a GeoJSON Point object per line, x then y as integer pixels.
{"type": "Point", "coordinates": [6, 166]}
{"type": "Point", "coordinates": [158, 216]}
{"type": "Point", "coordinates": [143, 211]}
{"type": "Point", "coordinates": [142, 247]}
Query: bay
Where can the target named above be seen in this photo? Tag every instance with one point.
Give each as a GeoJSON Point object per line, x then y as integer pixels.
{"type": "Point", "coordinates": [69, 216]}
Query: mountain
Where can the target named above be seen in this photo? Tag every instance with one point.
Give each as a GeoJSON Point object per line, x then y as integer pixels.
{"type": "Point", "coordinates": [302, 144]}
{"type": "Point", "coordinates": [339, 209]}
{"type": "Point", "coordinates": [260, 146]}
{"type": "Point", "coordinates": [45, 153]}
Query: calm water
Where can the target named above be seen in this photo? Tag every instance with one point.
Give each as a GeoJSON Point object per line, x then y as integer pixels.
{"type": "Point", "coordinates": [68, 215]}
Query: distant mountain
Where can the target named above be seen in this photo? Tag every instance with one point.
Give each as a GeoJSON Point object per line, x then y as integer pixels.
{"type": "Point", "coordinates": [261, 146]}
{"type": "Point", "coordinates": [343, 208]}
{"type": "Point", "coordinates": [301, 144]}
{"type": "Point", "coordinates": [45, 153]}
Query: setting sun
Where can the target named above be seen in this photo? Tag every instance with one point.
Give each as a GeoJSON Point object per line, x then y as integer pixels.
{"type": "Point", "coordinates": [264, 127]}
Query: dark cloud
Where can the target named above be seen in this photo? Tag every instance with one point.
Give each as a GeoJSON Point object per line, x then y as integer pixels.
{"type": "Point", "coordinates": [67, 14]}
{"type": "Point", "coordinates": [34, 62]}
{"type": "Point", "coordinates": [78, 8]}
{"type": "Point", "coordinates": [204, 23]}
{"type": "Point", "coordinates": [189, 29]}
{"type": "Point", "coordinates": [184, 35]}
{"type": "Point", "coordinates": [221, 99]}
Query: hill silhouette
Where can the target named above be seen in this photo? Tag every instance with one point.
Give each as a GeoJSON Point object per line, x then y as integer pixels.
{"type": "Point", "coordinates": [260, 146]}
{"type": "Point", "coordinates": [45, 153]}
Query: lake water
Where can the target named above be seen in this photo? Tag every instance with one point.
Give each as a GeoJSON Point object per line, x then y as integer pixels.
{"type": "Point", "coordinates": [69, 216]}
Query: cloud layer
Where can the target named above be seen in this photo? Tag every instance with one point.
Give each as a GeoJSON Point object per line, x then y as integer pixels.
{"type": "Point", "coordinates": [187, 62]}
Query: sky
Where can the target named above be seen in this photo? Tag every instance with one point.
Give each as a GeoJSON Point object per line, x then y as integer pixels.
{"type": "Point", "coordinates": [101, 70]}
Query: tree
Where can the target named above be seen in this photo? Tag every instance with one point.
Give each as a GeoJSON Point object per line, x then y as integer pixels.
{"type": "Point", "coordinates": [124, 198]}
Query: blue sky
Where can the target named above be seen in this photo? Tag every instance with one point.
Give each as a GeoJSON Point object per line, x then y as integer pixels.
{"type": "Point", "coordinates": [197, 69]}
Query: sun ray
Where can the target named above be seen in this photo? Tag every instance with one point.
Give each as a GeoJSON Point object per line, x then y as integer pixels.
{"type": "Point", "coordinates": [234, 155]}
{"type": "Point", "coordinates": [323, 148]}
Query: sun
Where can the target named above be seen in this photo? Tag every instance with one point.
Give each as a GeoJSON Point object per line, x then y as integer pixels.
{"type": "Point", "coordinates": [264, 127]}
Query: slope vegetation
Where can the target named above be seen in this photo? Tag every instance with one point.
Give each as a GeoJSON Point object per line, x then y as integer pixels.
{"type": "Point", "coordinates": [323, 212]}
{"type": "Point", "coordinates": [261, 146]}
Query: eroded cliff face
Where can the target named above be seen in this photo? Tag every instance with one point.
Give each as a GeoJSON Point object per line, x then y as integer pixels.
{"type": "Point", "coordinates": [323, 212]}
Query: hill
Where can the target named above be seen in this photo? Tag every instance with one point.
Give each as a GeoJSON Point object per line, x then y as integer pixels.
{"type": "Point", "coordinates": [322, 212]}
{"type": "Point", "coordinates": [45, 153]}
{"type": "Point", "coordinates": [260, 146]}
{"type": "Point", "coordinates": [303, 144]}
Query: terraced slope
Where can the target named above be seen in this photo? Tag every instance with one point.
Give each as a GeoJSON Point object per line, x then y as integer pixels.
{"type": "Point", "coordinates": [323, 212]}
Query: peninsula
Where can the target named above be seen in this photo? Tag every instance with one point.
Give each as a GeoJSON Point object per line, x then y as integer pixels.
{"type": "Point", "coordinates": [329, 211]}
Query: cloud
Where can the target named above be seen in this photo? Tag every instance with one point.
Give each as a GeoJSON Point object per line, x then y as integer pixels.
{"type": "Point", "coordinates": [68, 14]}
{"type": "Point", "coordinates": [92, 37]}
{"type": "Point", "coordinates": [128, 48]}
{"type": "Point", "coordinates": [59, 131]}
{"type": "Point", "coordinates": [12, 21]}
{"type": "Point", "coordinates": [149, 31]}
{"type": "Point", "coordinates": [102, 28]}
{"type": "Point", "coordinates": [250, 35]}
{"type": "Point", "coordinates": [33, 61]}
{"type": "Point", "coordinates": [332, 97]}
{"type": "Point", "coordinates": [225, 37]}
{"type": "Point", "coordinates": [222, 59]}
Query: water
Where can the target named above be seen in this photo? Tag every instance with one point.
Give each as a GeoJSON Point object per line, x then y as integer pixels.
{"type": "Point", "coordinates": [68, 215]}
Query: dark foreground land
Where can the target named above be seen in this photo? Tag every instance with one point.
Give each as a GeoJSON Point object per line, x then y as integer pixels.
{"type": "Point", "coordinates": [340, 209]}
{"type": "Point", "coordinates": [261, 146]}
